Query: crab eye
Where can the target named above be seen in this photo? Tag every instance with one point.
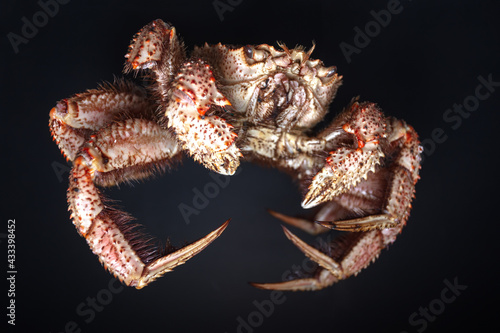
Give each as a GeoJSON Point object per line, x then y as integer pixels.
{"type": "Point", "coordinates": [248, 51]}
{"type": "Point", "coordinates": [254, 53]}
{"type": "Point", "coordinates": [327, 71]}
{"type": "Point", "coordinates": [332, 70]}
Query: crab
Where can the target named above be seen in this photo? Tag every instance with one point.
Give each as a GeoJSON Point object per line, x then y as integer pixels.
{"type": "Point", "coordinates": [223, 105]}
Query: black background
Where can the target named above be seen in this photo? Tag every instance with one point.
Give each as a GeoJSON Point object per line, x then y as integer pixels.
{"type": "Point", "coordinates": [428, 58]}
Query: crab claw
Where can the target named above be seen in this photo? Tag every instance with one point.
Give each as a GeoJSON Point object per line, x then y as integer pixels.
{"type": "Point", "coordinates": [189, 91]}
{"type": "Point", "coordinates": [341, 172]}
{"type": "Point", "coordinates": [155, 43]}
{"type": "Point", "coordinates": [345, 167]}
{"type": "Point", "coordinates": [210, 139]}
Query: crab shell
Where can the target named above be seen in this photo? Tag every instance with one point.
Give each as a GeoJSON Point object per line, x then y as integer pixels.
{"type": "Point", "coordinates": [259, 80]}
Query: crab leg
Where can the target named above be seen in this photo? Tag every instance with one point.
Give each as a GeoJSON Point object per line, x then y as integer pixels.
{"type": "Point", "coordinates": [208, 138]}
{"type": "Point", "coordinates": [125, 150]}
{"type": "Point", "coordinates": [73, 119]}
{"type": "Point", "coordinates": [380, 203]}
{"type": "Point", "coordinates": [301, 223]}
{"type": "Point", "coordinates": [190, 94]}
{"type": "Point", "coordinates": [346, 256]}
{"type": "Point", "coordinates": [345, 185]}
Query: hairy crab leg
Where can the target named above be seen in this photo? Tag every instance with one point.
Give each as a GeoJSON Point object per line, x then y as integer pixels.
{"type": "Point", "coordinates": [349, 255]}
{"type": "Point", "coordinates": [346, 256]}
{"type": "Point", "coordinates": [125, 150]}
{"type": "Point", "coordinates": [74, 119]}
{"type": "Point", "coordinates": [314, 254]}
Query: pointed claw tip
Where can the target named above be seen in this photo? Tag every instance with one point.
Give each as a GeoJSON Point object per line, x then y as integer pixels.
{"type": "Point", "coordinates": [325, 224]}
{"type": "Point", "coordinates": [263, 286]}
{"type": "Point", "coordinates": [292, 285]}
{"type": "Point", "coordinates": [308, 203]}
{"type": "Point", "coordinates": [255, 284]}
{"type": "Point", "coordinates": [223, 226]}
{"type": "Point", "coordinates": [285, 230]}
{"type": "Point", "coordinates": [290, 235]}
{"type": "Point", "coordinates": [274, 213]}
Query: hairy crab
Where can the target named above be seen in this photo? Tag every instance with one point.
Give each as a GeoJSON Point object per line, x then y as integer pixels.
{"type": "Point", "coordinates": [221, 105]}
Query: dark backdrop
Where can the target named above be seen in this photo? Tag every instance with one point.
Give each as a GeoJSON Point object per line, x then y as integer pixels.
{"type": "Point", "coordinates": [428, 58]}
